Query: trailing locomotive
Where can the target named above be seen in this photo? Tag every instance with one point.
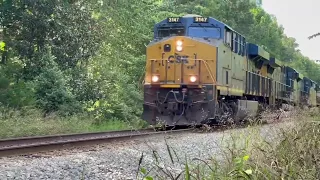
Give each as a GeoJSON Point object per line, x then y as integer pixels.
{"type": "Point", "coordinates": [199, 69]}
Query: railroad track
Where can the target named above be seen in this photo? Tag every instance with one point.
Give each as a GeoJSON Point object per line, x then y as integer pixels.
{"type": "Point", "coordinates": [25, 145]}
{"type": "Point", "coordinates": [18, 146]}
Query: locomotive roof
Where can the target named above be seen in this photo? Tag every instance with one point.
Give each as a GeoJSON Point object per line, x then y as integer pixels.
{"type": "Point", "coordinates": [188, 20]}
{"type": "Point", "coordinates": [191, 15]}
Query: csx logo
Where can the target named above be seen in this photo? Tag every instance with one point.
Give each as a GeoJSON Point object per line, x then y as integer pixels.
{"type": "Point", "coordinates": [178, 59]}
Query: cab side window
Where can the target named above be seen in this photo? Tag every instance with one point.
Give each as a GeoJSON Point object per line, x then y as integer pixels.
{"type": "Point", "coordinates": [227, 37]}
{"type": "Point", "coordinates": [235, 41]}
{"type": "Point", "coordinates": [243, 45]}
{"type": "Point", "coordinates": [240, 45]}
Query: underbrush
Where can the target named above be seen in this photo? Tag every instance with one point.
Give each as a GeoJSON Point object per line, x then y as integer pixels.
{"type": "Point", "coordinates": [286, 150]}
{"type": "Point", "coordinates": [31, 122]}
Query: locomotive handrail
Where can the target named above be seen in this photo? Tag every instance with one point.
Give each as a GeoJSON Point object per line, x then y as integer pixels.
{"type": "Point", "coordinates": [209, 70]}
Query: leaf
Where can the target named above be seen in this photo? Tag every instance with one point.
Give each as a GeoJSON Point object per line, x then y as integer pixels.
{"type": "Point", "coordinates": [2, 45]}
{"type": "Point", "coordinates": [238, 160]}
{"type": "Point", "coordinates": [140, 161]}
{"type": "Point", "coordinates": [97, 104]}
{"type": "Point", "coordinates": [245, 158]}
{"type": "Point", "coordinates": [248, 171]}
{"type": "Point", "coordinates": [187, 170]}
{"type": "Point", "coordinates": [96, 15]}
{"type": "Point", "coordinates": [169, 151]}
{"type": "Point", "coordinates": [90, 109]}
{"type": "Point", "coordinates": [143, 170]}
{"type": "Point", "coordinates": [148, 178]}
{"type": "Point", "coordinates": [29, 12]}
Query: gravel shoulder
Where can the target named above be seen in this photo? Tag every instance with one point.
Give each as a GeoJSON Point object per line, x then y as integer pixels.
{"type": "Point", "coordinates": [120, 160]}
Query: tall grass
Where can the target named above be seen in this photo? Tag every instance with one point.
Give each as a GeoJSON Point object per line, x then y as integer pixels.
{"type": "Point", "coordinates": [291, 152]}
{"type": "Point", "coordinates": [30, 122]}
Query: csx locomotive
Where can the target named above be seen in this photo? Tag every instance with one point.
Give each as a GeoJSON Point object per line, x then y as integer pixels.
{"type": "Point", "coordinates": [199, 69]}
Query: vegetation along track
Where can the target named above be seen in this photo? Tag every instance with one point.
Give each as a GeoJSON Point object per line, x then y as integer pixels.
{"type": "Point", "coordinates": [25, 145]}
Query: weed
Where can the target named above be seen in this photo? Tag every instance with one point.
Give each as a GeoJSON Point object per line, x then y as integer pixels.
{"type": "Point", "coordinates": [275, 153]}
{"type": "Point", "coordinates": [31, 123]}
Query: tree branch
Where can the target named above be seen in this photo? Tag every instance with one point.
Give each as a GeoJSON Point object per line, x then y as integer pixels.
{"type": "Point", "coordinates": [314, 35]}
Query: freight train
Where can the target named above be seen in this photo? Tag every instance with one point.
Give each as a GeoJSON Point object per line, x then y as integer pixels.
{"type": "Point", "coordinates": [200, 70]}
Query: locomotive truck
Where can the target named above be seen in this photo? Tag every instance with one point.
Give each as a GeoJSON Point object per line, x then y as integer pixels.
{"type": "Point", "coordinates": [200, 70]}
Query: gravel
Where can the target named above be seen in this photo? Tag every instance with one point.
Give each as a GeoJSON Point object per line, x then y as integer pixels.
{"type": "Point", "coordinates": [120, 160]}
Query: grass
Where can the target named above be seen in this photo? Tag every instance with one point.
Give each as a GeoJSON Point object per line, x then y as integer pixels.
{"type": "Point", "coordinates": [31, 123]}
{"type": "Point", "coordinates": [291, 152]}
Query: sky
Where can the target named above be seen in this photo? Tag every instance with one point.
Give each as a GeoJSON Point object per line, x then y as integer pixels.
{"type": "Point", "coordinates": [300, 20]}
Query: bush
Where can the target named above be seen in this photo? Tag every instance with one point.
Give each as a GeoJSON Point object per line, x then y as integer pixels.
{"type": "Point", "coordinates": [15, 92]}
{"type": "Point", "coordinates": [51, 88]}
{"type": "Point", "coordinates": [17, 95]}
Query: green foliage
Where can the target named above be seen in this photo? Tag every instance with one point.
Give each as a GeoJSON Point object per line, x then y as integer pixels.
{"type": "Point", "coordinates": [17, 95]}
{"type": "Point", "coordinates": [2, 45]}
{"type": "Point", "coordinates": [14, 93]}
{"type": "Point", "coordinates": [110, 85]}
{"type": "Point", "coordinates": [30, 122]}
{"type": "Point", "coordinates": [68, 27]}
{"type": "Point", "coordinates": [51, 88]}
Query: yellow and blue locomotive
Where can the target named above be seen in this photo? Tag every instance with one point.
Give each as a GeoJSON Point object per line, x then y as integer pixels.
{"type": "Point", "coordinates": [199, 69]}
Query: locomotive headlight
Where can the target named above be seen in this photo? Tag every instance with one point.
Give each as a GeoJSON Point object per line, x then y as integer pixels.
{"type": "Point", "coordinates": [193, 79]}
{"type": "Point", "coordinates": [179, 45]}
{"type": "Point", "coordinates": [155, 78]}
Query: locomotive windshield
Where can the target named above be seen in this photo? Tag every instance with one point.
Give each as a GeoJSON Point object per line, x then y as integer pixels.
{"type": "Point", "coordinates": [166, 32]}
{"type": "Point", "coordinates": [204, 32]}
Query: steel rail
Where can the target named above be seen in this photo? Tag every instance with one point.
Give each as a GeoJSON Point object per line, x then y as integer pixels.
{"type": "Point", "coordinates": [37, 139]}
{"type": "Point", "coordinates": [18, 146]}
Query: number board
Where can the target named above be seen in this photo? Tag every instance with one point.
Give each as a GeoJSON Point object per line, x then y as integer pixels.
{"type": "Point", "coordinates": [173, 20]}
{"type": "Point", "coordinates": [201, 20]}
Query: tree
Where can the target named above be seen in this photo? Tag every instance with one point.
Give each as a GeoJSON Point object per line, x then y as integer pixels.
{"type": "Point", "coordinates": [68, 27]}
